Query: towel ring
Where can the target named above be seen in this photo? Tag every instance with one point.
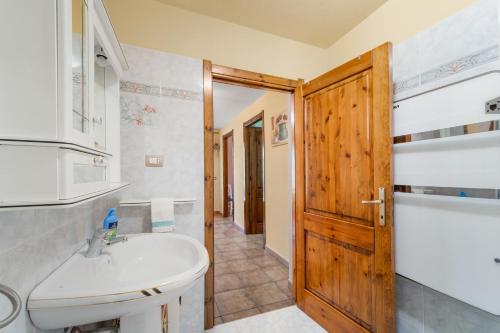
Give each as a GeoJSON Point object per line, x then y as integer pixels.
{"type": "Point", "coordinates": [16, 305]}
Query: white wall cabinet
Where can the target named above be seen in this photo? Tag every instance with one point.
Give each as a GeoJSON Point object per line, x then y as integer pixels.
{"type": "Point", "coordinates": [59, 100]}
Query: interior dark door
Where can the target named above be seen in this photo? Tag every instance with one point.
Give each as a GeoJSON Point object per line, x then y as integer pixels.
{"type": "Point", "coordinates": [254, 180]}
{"type": "Point", "coordinates": [228, 174]}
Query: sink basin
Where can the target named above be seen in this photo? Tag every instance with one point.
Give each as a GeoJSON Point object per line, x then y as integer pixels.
{"type": "Point", "coordinates": [129, 280]}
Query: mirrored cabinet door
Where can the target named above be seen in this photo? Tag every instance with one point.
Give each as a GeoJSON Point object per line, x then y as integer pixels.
{"type": "Point", "coordinates": [80, 66]}
{"type": "Point", "coordinates": [101, 65]}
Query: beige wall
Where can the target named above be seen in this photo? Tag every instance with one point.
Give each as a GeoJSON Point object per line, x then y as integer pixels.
{"type": "Point", "coordinates": [277, 187]}
{"type": "Point", "coordinates": [154, 25]}
{"type": "Point", "coordinates": [394, 21]}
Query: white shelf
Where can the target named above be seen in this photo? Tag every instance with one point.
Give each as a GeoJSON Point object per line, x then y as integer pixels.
{"type": "Point", "coordinates": [147, 202]}
{"type": "Point", "coordinates": [66, 202]}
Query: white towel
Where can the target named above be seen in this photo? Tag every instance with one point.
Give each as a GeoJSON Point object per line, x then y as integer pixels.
{"type": "Point", "coordinates": [162, 214]}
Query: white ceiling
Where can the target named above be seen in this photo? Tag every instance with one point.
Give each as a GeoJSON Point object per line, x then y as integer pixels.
{"type": "Point", "coordinates": [316, 22]}
{"type": "Point", "coordinates": [230, 100]}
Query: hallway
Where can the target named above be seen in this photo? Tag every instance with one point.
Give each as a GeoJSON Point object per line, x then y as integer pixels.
{"type": "Point", "coordinates": [248, 280]}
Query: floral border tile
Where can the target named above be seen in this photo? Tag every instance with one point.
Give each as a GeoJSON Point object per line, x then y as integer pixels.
{"type": "Point", "coordinates": [410, 83]}
{"type": "Point", "coordinates": [484, 56]}
{"type": "Point", "coordinates": [146, 89]}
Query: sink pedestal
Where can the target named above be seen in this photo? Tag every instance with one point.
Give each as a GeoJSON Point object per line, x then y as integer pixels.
{"type": "Point", "coordinates": [150, 320]}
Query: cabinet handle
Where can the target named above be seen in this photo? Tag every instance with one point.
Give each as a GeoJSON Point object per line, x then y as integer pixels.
{"type": "Point", "coordinates": [97, 120]}
{"type": "Point", "coordinates": [98, 160]}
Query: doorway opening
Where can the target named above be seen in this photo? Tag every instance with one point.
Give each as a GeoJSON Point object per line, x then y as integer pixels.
{"type": "Point", "coordinates": [251, 270]}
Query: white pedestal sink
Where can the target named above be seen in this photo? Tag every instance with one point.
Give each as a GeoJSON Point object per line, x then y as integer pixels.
{"type": "Point", "coordinates": [130, 281]}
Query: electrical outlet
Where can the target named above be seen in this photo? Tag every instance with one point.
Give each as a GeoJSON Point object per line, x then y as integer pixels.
{"type": "Point", "coordinates": [154, 161]}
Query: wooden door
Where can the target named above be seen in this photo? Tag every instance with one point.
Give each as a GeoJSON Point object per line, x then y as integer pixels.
{"type": "Point", "coordinates": [344, 251]}
{"type": "Point", "coordinates": [254, 160]}
{"type": "Point", "coordinates": [228, 175]}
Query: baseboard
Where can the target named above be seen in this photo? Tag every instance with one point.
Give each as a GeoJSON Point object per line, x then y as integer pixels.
{"type": "Point", "coordinates": [240, 228]}
{"type": "Point", "coordinates": [278, 257]}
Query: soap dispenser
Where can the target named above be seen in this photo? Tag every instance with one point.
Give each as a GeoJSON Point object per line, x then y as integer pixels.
{"type": "Point", "coordinates": [110, 224]}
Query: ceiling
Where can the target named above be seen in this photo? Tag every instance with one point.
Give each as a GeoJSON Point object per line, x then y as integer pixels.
{"type": "Point", "coordinates": [230, 100]}
{"type": "Point", "coordinates": [316, 22]}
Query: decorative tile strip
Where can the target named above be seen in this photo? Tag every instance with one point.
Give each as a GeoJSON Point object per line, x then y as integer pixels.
{"type": "Point", "coordinates": [146, 89]}
{"type": "Point", "coordinates": [410, 83]}
{"type": "Point", "coordinates": [77, 78]}
{"type": "Point", "coordinates": [487, 55]}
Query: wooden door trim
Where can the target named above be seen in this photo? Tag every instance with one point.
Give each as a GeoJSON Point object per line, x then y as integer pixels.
{"type": "Point", "coordinates": [350, 68]}
{"type": "Point", "coordinates": [246, 78]}
{"type": "Point", "coordinates": [246, 124]}
{"type": "Point", "coordinates": [225, 174]}
{"type": "Point", "coordinates": [208, 170]}
{"type": "Point", "coordinates": [378, 60]}
{"type": "Point", "coordinates": [223, 74]}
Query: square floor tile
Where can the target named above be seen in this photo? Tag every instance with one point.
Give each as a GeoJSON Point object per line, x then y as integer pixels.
{"type": "Point", "coordinates": [253, 278]}
{"type": "Point", "coordinates": [233, 255]}
{"type": "Point", "coordinates": [227, 282]}
{"type": "Point", "coordinates": [242, 265]}
{"type": "Point", "coordinates": [241, 314]}
{"type": "Point", "coordinates": [275, 306]}
{"type": "Point", "coordinates": [276, 273]}
{"type": "Point", "coordinates": [233, 301]}
{"type": "Point", "coordinates": [266, 294]}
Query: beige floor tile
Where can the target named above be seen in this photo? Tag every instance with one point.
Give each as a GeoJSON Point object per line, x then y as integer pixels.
{"type": "Point", "coordinates": [266, 294]}
{"type": "Point", "coordinates": [233, 301]}
{"type": "Point", "coordinates": [275, 306]}
{"type": "Point", "coordinates": [276, 273]}
{"type": "Point", "coordinates": [227, 282]}
{"type": "Point", "coordinates": [253, 278]}
{"type": "Point", "coordinates": [242, 265]}
{"type": "Point", "coordinates": [241, 314]}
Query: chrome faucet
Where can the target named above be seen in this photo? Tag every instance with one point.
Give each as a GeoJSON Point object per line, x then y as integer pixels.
{"type": "Point", "coordinates": [99, 241]}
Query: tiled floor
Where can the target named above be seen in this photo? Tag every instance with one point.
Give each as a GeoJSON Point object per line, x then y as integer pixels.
{"type": "Point", "coordinates": [248, 280]}
{"type": "Point", "coordinates": [286, 320]}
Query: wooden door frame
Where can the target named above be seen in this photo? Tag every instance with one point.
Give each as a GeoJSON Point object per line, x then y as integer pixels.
{"type": "Point", "coordinates": [225, 174]}
{"type": "Point", "coordinates": [378, 60]}
{"type": "Point", "coordinates": [246, 124]}
{"type": "Point", "coordinates": [217, 73]}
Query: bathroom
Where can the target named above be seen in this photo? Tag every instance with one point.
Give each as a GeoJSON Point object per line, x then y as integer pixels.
{"type": "Point", "coordinates": [111, 104]}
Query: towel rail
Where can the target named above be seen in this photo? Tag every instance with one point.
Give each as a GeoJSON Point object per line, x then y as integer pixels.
{"type": "Point", "coordinates": [464, 192]}
{"type": "Point", "coordinates": [16, 305]}
{"type": "Point", "coordinates": [485, 126]}
{"type": "Point", "coordinates": [147, 202]}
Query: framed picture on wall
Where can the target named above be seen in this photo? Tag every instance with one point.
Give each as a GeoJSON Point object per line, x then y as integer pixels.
{"type": "Point", "coordinates": [279, 129]}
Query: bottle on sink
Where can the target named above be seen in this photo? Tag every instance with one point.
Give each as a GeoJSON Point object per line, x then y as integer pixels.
{"type": "Point", "coordinates": [110, 224]}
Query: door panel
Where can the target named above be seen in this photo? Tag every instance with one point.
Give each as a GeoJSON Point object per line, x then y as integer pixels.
{"type": "Point", "coordinates": [344, 258]}
{"type": "Point", "coordinates": [338, 154]}
{"type": "Point", "coordinates": [340, 276]}
{"type": "Point", "coordinates": [255, 180]}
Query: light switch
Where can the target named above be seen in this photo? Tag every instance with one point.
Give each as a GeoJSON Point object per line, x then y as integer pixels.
{"type": "Point", "coordinates": [154, 161]}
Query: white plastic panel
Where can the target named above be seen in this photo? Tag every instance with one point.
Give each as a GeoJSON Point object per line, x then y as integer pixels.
{"type": "Point", "coordinates": [464, 161]}
{"type": "Point", "coordinates": [458, 104]}
{"type": "Point", "coordinates": [449, 244]}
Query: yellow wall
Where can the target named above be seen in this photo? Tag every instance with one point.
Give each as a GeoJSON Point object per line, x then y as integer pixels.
{"type": "Point", "coordinates": [154, 25]}
{"type": "Point", "coordinates": [277, 187]}
{"type": "Point", "coordinates": [394, 21]}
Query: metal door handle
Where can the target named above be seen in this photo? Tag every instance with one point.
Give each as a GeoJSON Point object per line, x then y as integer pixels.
{"type": "Point", "coordinates": [374, 202]}
{"type": "Point", "coordinates": [381, 205]}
